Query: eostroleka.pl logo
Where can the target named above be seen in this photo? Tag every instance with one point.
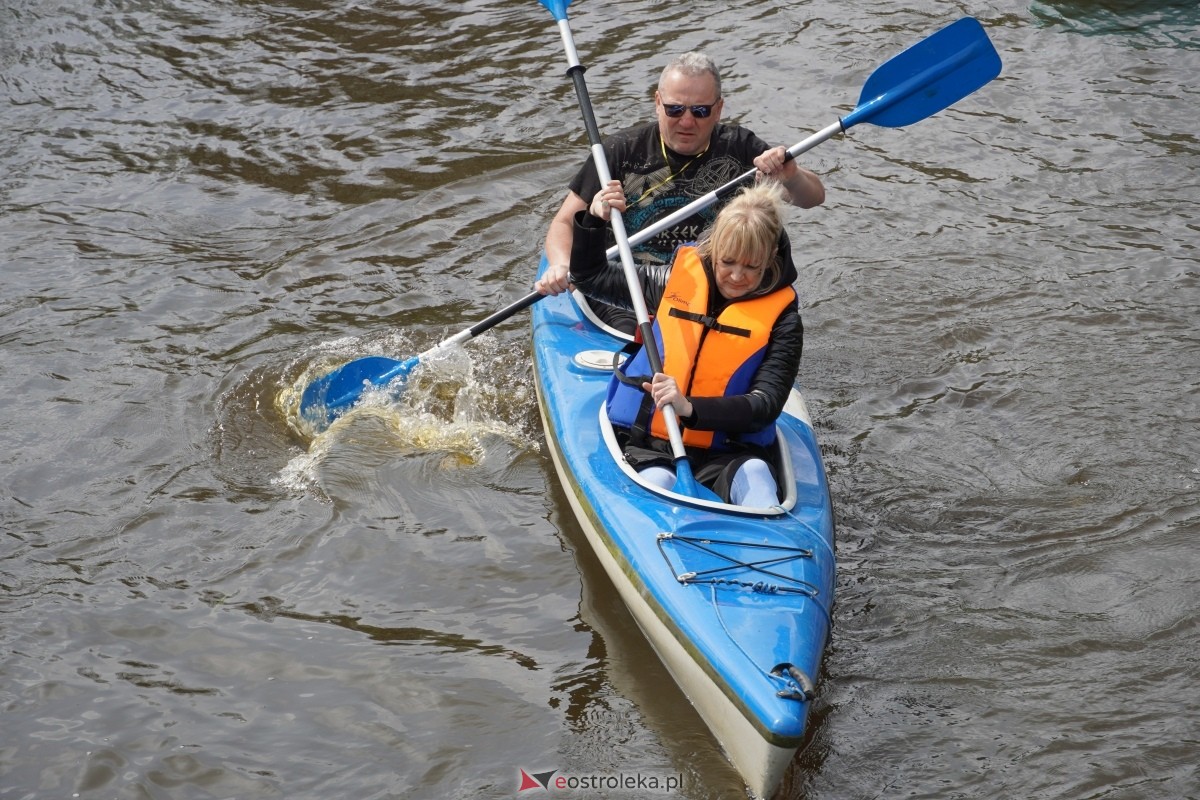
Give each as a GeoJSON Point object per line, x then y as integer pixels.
{"type": "Point", "coordinates": [538, 780]}
{"type": "Point", "coordinates": [553, 782]}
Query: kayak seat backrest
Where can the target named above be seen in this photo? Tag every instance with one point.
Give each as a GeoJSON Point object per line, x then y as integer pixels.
{"type": "Point", "coordinates": [589, 312]}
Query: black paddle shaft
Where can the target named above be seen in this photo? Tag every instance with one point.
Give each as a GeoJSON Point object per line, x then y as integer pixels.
{"type": "Point", "coordinates": [504, 313]}
{"type": "Point", "coordinates": [593, 131]}
{"type": "Point", "coordinates": [585, 102]}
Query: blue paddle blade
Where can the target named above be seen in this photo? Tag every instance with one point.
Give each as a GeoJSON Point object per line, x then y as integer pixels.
{"type": "Point", "coordinates": [327, 397]}
{"type": "Point", "coordinates": [931, 75]}
{"type": "Point", "coordinates": [331, 395]}
{"type": "Point", "coordinates": [557, 7]}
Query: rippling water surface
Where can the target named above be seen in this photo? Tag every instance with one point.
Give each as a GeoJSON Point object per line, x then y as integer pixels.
{"type": "Point", "coordinates": [204, 204]}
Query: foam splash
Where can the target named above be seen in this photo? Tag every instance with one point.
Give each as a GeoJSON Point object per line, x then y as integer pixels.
{"type": "Point", "coordinates": [458, 403]}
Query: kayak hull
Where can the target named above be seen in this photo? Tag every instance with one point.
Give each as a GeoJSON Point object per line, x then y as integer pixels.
{"type": "Point", "coordinates": [736, 602]}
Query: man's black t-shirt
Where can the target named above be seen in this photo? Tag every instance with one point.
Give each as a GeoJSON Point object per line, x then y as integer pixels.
{"type": "Point", "coordinates": [654, 189]}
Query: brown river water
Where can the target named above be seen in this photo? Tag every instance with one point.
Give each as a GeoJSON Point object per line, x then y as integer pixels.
{"type": "Point", "coordinates": [204, 203]}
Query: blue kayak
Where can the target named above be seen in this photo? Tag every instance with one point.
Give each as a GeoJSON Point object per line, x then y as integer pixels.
{"type": "Point", "coordinates": [736, 601]}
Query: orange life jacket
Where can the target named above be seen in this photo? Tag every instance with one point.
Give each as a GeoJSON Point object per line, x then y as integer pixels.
{"type": "Point", "coordinates": [707, 357]}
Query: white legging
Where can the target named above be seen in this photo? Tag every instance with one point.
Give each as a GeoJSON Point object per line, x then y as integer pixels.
{"type": "Point", "coordinates": [752, 484]}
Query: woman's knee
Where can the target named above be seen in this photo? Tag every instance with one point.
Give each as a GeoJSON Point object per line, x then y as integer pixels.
{"type": "Point", "coordinates": [661, 477]}
{"type": "Point", "coordinates": [754, 485]}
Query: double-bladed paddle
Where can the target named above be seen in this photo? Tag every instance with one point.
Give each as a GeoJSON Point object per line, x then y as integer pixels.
{"type": "Point", "coordinates": [928, 77]}
{"type": "Point", "coordinates": [685, 482]}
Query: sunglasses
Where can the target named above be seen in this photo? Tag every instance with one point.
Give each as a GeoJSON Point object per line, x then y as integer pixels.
{"type": "Point", "coordinates": [699, 112]}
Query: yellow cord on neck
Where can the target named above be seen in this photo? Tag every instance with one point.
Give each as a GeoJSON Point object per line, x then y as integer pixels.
{"type": "Point", "coordinates": [671, 176]}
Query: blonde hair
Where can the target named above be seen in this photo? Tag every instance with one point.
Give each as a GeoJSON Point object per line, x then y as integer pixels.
{"type": "Point", "coordinates": [748, 229]}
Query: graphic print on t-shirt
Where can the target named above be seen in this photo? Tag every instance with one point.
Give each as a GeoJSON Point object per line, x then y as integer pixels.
{"type": "Point", "coordinates": [657, 194]}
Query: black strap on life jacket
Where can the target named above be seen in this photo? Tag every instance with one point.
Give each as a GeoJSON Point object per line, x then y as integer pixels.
{"type": "Point", "coordinates": [628, 380]}
{"type": "Point", "coordinates": [709, 322]}
{"type": "Point", "coordinates": [625, 354]}
{"type": "Point", "coordinates": [639, 432]}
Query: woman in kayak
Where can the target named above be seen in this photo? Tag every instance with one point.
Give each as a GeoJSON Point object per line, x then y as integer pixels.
{"type": "Point", "coordinates": [729, 334]}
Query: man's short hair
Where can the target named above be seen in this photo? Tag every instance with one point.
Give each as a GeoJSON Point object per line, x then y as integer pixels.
{"type": "Point", "coordinates": [692, 65]}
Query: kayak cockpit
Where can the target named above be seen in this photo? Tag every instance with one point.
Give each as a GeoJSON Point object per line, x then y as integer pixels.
{"type": "Point", "coordinates": [782, 464]}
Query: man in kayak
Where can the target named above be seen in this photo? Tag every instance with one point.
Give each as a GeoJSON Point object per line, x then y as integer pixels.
{"type": "Point", "coordinates": [664, 165]}
{"type": "Point", "coordinates": [729, 325]}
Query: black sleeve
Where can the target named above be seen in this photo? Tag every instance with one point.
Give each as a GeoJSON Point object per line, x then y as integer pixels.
{"type": "Point", "coordinates": [588, 249]}
{"type": "Point", "coordinates": [769, 390]}
{"type": "Point", "coordinates": [603, 280]}
{"type": "Point", "coordinates": [586, 183]}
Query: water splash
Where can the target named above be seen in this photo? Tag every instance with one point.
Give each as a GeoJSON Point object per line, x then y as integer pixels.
{"type": "Point", "coordinates": [464, 403]}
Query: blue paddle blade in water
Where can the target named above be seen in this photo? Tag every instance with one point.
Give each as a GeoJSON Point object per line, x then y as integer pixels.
{"type": "Point", "coordinates": [931, 75]}
{"type": "Point", "coordinates": [326, 398]}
